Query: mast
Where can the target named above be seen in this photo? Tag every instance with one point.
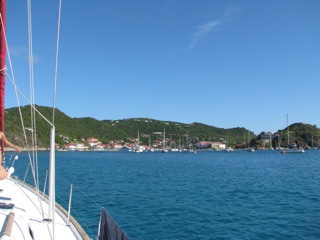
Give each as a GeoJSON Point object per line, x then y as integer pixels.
{"type": "Point", "coordinates": [2, 65]}
{"type": "Point", "coordinates": [288, 130]}
{"type": "Point", "coordinates": [164, 138]}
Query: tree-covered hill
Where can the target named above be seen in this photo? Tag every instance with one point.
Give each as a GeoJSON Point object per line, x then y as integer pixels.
{"type": "Point", "coordinates": [113, 130]}
{"type": "Point", "coordinates": [77, 129]}
{"type": "Point", "coordinates": [301, 134]}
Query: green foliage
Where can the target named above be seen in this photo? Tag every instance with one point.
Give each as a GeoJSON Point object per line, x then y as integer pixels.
{"type": "Point", "coordinates": [122, 130]}
{"type": "Point", "coordinates": [301, 134]}
{"type": "Point", "coordinates": [112, 130]}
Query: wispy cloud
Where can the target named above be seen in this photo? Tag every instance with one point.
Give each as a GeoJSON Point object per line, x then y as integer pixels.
{"type": "Point", "coordinates": [22, 52]}
{"type": "Point", "coordinates": [211, 26]}
{"type": "Point", "coordinates": [203, 31]}
{"type": "Point", "coordinates": [18, 51]}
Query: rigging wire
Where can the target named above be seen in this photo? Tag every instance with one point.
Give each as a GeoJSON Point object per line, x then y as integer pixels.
{"type": "Point", "coordinates": [78, 189]}
{"type": "Point", "coordinates": [32, 95]}
{"type": "Point", "coordinates": [56, 64]}
{"type": "Point", "coordinates": [34, 164]}
{"type": "Point", "coordinates": [31, 160]}
{"type": "Point", "coordinates": [17, 98]}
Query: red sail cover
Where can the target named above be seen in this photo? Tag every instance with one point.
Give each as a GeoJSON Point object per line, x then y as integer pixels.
{"type": "Point", "coordinates": [2, 63]}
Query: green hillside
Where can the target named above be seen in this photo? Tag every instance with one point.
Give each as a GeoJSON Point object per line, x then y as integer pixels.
{"type": "Point", "coordinates": [113, 130]}
{"type": "Point", "coordinates": [77, 129]}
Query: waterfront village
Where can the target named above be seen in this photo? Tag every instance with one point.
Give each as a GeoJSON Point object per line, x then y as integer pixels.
{"type": "Point", "coordinates": [93, 144]}
{"type": "Point", "coordinates": [133, 144]}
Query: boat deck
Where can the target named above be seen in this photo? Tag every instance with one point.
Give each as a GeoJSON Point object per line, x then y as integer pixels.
{"type": "Point", "coordinates": [31, 214]}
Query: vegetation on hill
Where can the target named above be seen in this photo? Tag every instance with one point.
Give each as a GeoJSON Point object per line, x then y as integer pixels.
{"type": "Point", "coordinates": [77, 129]}
{"type": "Point", "coordinates": [300, 134]}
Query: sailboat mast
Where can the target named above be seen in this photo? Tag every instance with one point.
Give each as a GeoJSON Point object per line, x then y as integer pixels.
{"type": "Point", "coordinates": [288, 130]}
{"type": "Point", "coordinates": [164, 138]}
{"type": "Point", "coordinates": [2, 64]}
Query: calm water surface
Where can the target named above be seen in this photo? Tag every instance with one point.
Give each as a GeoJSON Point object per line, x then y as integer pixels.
{"type": "Point", "coordinates": [208, 195]}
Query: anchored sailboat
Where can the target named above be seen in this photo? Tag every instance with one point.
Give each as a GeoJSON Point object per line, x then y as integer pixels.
{"type": "Point", "coordinates": [289, 148]}
{"type": "Point", "coordinates": [164, 146]}
{"type": "Point", "coordinates": [26, 212]}
{"type": "Point", "coordinates": [136, 146]}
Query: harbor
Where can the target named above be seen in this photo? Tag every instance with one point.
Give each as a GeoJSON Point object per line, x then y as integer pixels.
{"type": "Point", "coordinates": [208, 195]}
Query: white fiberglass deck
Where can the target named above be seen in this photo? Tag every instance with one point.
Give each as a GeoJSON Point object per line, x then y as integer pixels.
{"type": "Point", "coordinates": [28, 214]}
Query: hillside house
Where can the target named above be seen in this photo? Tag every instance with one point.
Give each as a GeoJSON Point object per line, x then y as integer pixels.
{"type": "Point", "coordinates": [93, 142]}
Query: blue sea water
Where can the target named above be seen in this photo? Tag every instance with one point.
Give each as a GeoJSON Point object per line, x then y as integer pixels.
{"type": "Point", "coordinates": [185, 196]}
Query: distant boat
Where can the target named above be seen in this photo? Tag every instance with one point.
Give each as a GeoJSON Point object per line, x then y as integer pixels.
{"type": "Point", "coordinates": [293, 150]}
{"type": "Point", "coordinates": [137, 148]}
{"type": "Point", "coordinates": [271, 148]}
{"type": "Point", "coordinates": [312, 147]}
{"type": "Point", "coordinates": [229, 149]}
{"type": "Point", "coordinates": [164, 147]}
{"type": "Point", "coordinates": [249, 149]}
{"type": "Point", "coordinates": [150, 148]}
{"type": "Point", "coordinates": [289, 148]}
{"type": "Point", "coordinates": [190, 150]}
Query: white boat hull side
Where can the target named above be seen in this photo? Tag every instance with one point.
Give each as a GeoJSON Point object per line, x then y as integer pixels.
{"type": "Point", "coordinates": [27, 213]}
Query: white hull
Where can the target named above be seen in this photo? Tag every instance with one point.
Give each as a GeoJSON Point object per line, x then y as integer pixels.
{"type": "Point", "coordinates": [229, 149]}
{"type": "Point", "coordinates": [31, 212]}
{"type": "Point", "coordinates": [291, 151]}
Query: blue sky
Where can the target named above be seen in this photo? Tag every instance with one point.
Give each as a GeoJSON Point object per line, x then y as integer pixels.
{"type": "Point", "coordinates": [222, 63]}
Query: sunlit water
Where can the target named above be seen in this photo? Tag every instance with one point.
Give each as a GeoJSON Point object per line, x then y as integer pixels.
{"type": "Point", "coordinates": [208, 195]}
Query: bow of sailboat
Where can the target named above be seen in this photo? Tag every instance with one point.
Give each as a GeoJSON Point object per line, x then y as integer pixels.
{"type": "Point", "coordinates": [30, 212]}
